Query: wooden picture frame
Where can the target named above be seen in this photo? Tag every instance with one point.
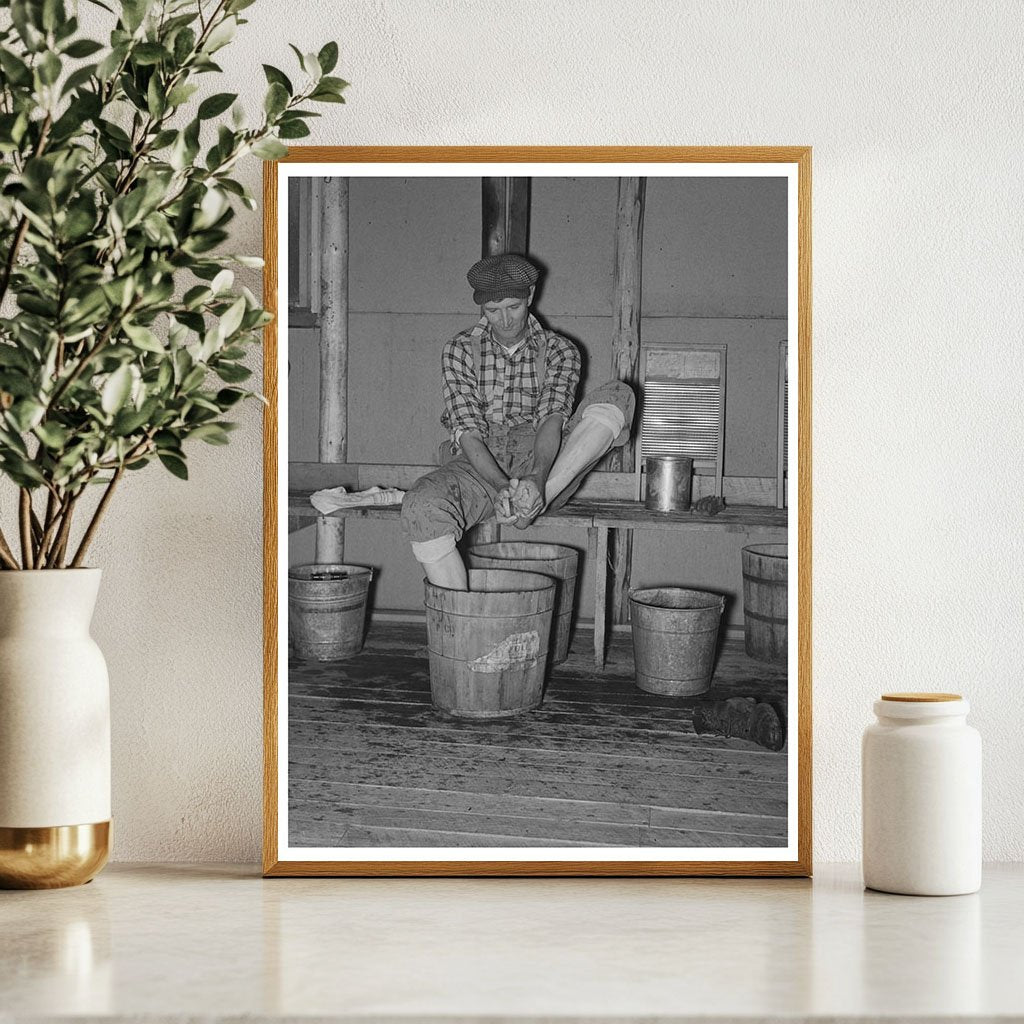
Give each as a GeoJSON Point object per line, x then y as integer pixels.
{"type": "Point", "coordinates": [503, 170]}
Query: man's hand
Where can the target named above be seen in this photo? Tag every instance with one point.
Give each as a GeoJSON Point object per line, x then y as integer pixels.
{"type": "Point", "coordinates": [504, 510]}
{"type": "Point", "coordinates": [527, 499]}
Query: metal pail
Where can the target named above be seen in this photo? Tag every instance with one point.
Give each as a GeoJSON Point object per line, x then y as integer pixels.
{"type": "Point", "coordinates": [668, 483]}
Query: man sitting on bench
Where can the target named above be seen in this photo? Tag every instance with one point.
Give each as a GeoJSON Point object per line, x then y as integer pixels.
{"type": "Point", "coordinates": [516, 447]}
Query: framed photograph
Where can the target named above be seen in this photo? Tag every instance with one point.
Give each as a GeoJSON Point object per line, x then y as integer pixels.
{"type": "Point", "coordinates": [538, 511]}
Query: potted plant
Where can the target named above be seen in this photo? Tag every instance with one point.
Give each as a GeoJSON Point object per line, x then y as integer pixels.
{"type": "Point", "coordinates": [122, 341]}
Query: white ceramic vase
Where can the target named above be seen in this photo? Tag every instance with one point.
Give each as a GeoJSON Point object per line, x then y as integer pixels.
{"type": "Point", "coordinates": [921, 773]}
{"type": "Point", "coordinates": [54, 731]}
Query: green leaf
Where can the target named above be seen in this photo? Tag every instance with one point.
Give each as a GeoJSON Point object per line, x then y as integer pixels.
{"type": "Point", "coordinates": [193, 379]}
{"type": "Point", "coordinates": [181, 94]}
{"type": "Point", "coordinates": [156, 101]}
{"type": "Point", "coordinates": [324, 96]}
{"type": "Point", "coordinates": [133, 13]}
{"type": "Point", "coordinates": [216, 104]}
{"type": "Point", "coordinates": [26, 413]}
{"type": "Point", "coordinates": [232, 319]}
{"type": "Point", "coordinates": [334, 84]}
{"type": "Point", "coordinates": [116, 390]}
{"type": "Point", "coordinates": [116, 133]}
{"type": "Point", "coordinates": [328, 58]}
{"type": "Point", "coordinates": [163, 139]}
{"type": "Point", "coordinates": [128, 421]}
{"type": "Point", "coordinates": [53, 435]}
{"type": "Point", "coordinates": [53, 14]}
{"type": "Point", "coordinates": [12, 356]}
{"type": "Point", "coordinates": [49, 68]}
{"type": "Point", "coordinates": [26, 21]}
{"type": "Point", "coordinates": [144, 338]}
{"type": "Point", "coordinates": [14, 68]}
{"type": "Point", "coordinates": [21, 471]}
{"type": "Point", "coordinates": [311, 66]}
{"type": "Point", "coordinates": [221, 35]}
{"type": "Point", "coordinates": [195, 296]}
{"type": "Point", "coordinates": [78, 78]}
{"type": "Point", "coordinates": [83, 48]}
{"type": "Point", "coordinates": [269, 149]}
{"type": "Point", "coordinates": [274, 76]}
{"type": "Point", "coordinates": [227, 397]}
{"type": "Point", "coordinates": [222, 281]}
{"type": "Point", "coordinates": [211, 433]}
{"type": "Point", "coordinates": [232, 373]}
{"type": "Point", "coordinates": [276, 99]}
{"type": "Point", "coordinates": [149, 53]}
{"type": "Point", "coordinates": [292, 130]}
{"type": "Point", "coordinates": [38, 305]}
{"type": "Point", "coordinates": [109, 65]}
{"type": "Point", "coordinates": [184, 44]}
{"type": "Point", "coordinates": [175, 465]}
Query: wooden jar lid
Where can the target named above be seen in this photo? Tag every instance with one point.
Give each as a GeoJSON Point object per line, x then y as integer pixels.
{"type": "Point", "coordinates": [921, 698]}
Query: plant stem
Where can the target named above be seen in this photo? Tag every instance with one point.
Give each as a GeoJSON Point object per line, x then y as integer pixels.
{"type": "Point", "coordinates": [97, 516]}
{"type": "Point", "coordinates": [25, 521]}
{"type": "Point", "coordinates": [84, 360]}
{"type": "Point", "coordinates": [12, 254]}
{"type": "Point", "coordinates": [54, 508]}
{"type": "Point", "coordinates": [6, 555]}
{"type": "Point", "coordinates": [56, 555]}
{"type": "Point", "coordinates": [19, 234]}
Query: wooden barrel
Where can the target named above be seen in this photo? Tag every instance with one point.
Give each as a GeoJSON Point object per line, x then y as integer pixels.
{"type": "Point", "coordinates": [675, 632]}
{"type": "Point", "coordinates": [327, 610]}
{"type": "Point", "coordinates": [765, 601]}
{"type": "Point", "coordinates": [556, 561]}
{"type": "Point", "coordinates": [488, 645]}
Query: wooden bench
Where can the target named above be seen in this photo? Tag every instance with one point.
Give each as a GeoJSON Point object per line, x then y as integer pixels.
{"type": "Point", "coordinates": [598, 517]}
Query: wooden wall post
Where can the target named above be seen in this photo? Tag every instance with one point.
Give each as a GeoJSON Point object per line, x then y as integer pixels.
{"type": "Point", "coordinates": [505, 224]}
{"type": "Point", "coordinates": [505, 218]}
{"type": "Point", "coordinates": [629, 227]}
{"type": "Point", "coordinates": [333, 255]}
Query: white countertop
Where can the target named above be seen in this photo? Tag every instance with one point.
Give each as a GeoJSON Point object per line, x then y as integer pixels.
{"type": "Point", "coordinates": [179, 941]}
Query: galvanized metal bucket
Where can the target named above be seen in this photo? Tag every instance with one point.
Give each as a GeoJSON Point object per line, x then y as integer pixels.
{"type": "Point", "coordinates": [675, 633]}
{"type": "Point", "coordinates": [669, 479]}
{"type": "Point", "coordinates": [327, 610]}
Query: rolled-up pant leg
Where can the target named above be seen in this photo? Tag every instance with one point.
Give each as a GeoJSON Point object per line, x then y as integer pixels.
{"type": "Point", "coordinates": [615, 393]}
{"type": "Point", "coordinates": [612, 404]}
{"type": "Point", "coordinates": [441, 506]}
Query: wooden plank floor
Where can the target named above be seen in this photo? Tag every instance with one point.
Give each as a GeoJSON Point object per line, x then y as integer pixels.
{"type": "Point", "coordinates": [601, 763]}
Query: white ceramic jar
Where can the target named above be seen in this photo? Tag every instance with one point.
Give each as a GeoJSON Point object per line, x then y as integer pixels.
{"type": "Point", "coordinates": [921, 778]}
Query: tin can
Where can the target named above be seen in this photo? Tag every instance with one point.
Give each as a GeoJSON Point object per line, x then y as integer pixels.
{"type": "Point", "coordinates": [668, 483]}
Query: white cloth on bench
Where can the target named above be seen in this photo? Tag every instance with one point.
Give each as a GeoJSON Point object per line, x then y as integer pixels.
{"type": "Point", "coordinates": [332, 498]}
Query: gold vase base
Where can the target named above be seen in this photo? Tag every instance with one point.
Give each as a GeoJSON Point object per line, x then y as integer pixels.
{"type": "Point", "coordinates": [53, 857]}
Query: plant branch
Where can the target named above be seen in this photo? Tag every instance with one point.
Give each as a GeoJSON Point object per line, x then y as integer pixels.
{"type": "Point", "coordinates": [60, 544]}
{"type": "Point", "coordinates": [25, 522]}
{"type": "Point", "coordinates": [51, 525]}
{"type": "Point", "coordinates": [22, 229]}
{"type": "Point", "coordinates": [96, 517]}
{"type": "Point", "coordinates": [87, 357]}
{"type": "Point", "coordinates": [6, 555]}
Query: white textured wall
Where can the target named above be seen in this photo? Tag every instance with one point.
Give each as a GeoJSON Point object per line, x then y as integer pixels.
{"type": "Point", "coordinates": [914, 112]}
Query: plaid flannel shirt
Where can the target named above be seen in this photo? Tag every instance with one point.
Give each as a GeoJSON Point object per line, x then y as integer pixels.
{"type": "Point", "coordinates": [508, 392]}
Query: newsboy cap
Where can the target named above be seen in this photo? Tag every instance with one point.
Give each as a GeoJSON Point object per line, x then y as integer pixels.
{"type": "Point", "coordinates": [507, 276]}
